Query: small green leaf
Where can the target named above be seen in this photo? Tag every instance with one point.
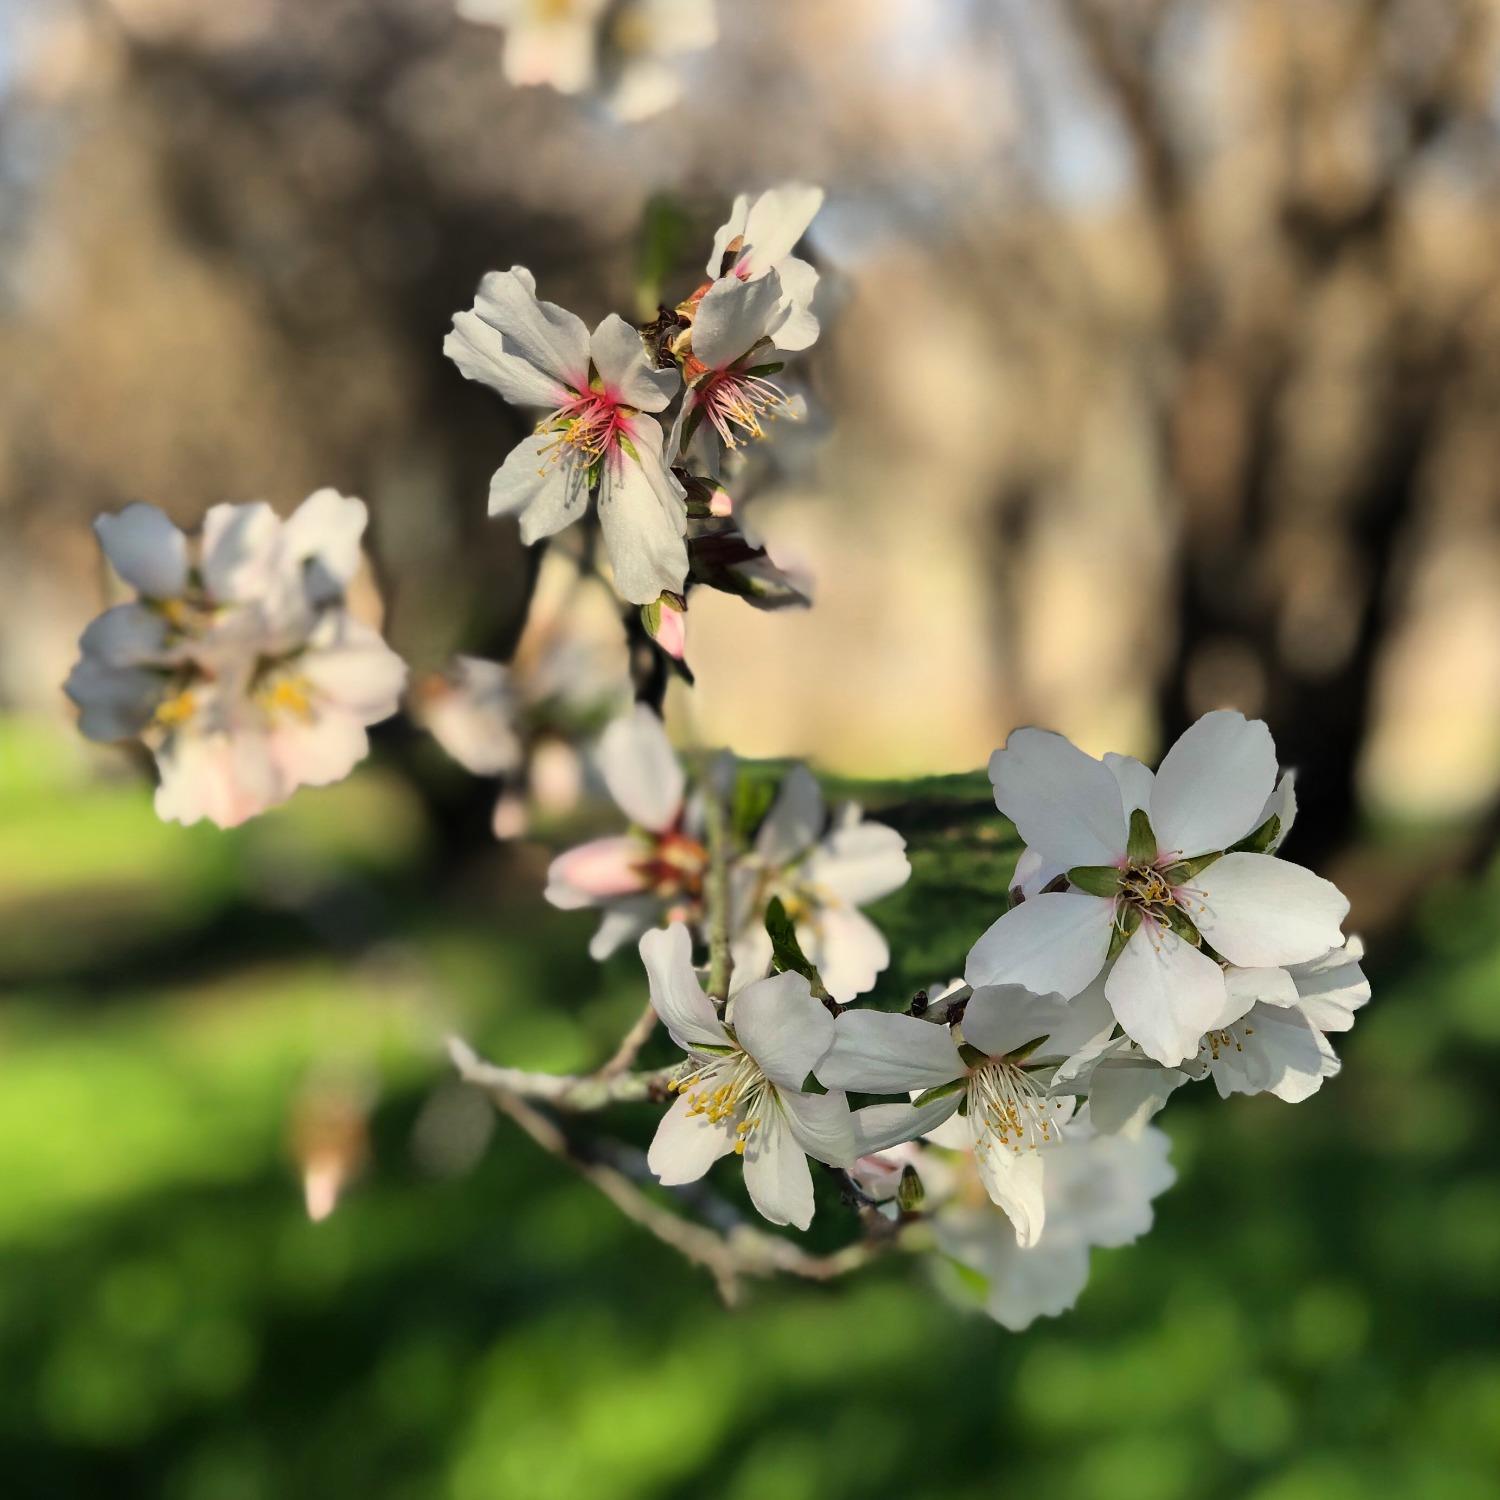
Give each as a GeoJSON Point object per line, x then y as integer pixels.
{"type": "Point", "coordinates": [810, 1085]}
{"type": "Point", "coordinates": [714, 1050]}
{"type": "Point", "coordinates": [1178, 921]}
{"type": "Point", "coordinates": [749, 804]}
{"type": "Point", "coordinates": [1141, 850]}
{"type": "Point", "coordinates": [942, 1091]}
{"type": "Point", "coordinates": [1185, 869]}
{"type": "Point", "coordinates": [1097, 880]}
{"type": "Point", "coordinates": [909, 1191]}
{"type": "Point", "coordinates": [1126, 923]}
{"type": "Point", "coordinates": [972, 1055]}
{"type": "Point", "coordinates": [651, 617]}
{"type": "Point", "coordinates": [629, 448]}
{"type": "Point", "coordinates": [1261, 840]}
{"type": "Point", "coordinates": [775, 368]}
{"type": "Point", "coordinates": [786, 951]}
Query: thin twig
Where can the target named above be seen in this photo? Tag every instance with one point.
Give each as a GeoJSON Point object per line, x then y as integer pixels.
{"type": "Point", "coordinates": [576, 1093]}
{"type": "Point", "coordinates": [729, 1255]}
{"type": "Point", "coordinates": [630, 1044]}
{"type": "Point", "coordinates": [716, 893]}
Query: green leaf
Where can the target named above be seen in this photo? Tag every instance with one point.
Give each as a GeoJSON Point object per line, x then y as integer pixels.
{"type": "Point", "coordinates": [1141, 850]}
{"type": "Point", "coordinates": [1185, 869]}
{"type": "Point", "coordinates": [941, 1091]}
{"type": "Point", "coordinates": [1126, 923]}
{"type": "Point", "coordinates": [1179, 922]}
{"type": "Point", "coordinates": [1097, 880]}
{"type": "Point", "coordinates": [786, 951]}
{"type": "Point", "coordinates": [749, 804]}
{"type": "Point", "coordinates": [1261, 840]}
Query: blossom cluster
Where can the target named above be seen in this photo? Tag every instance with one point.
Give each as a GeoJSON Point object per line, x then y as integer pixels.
{"type": "Point", "coordinates": [1153, 936]}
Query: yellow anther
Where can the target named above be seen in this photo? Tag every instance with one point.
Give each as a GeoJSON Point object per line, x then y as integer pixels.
{"type": "Point", "coordinates": [176, 710]}
{"type": "Point", "coordinates": [291, 696]}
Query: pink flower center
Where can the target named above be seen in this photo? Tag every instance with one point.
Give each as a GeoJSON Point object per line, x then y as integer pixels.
{"type": "Point", "coordinates": [588, 427]}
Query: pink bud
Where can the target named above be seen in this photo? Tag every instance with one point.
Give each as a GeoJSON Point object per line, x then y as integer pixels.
{"type": "Point", "coordinates": [671, 633]}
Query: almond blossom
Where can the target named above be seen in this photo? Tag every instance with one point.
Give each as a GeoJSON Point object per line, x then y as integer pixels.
{"type": "Point", "coordinates": [1097, 1192]}
{"type": "Point", "coordinates": [597, 436]}
{"type": "Point", "coordinates": [757, 239]}
{"type": "Point", "coordinates": [998, 1074]}
{"type": "Point", "coordinates": [237, 665]}
{"type": "Point", "coordinates": [1164, 880]}
{"type": "Point", "coordinates": [741, 1090]}
{"type": "Point", "coordinates": [823, 870]}
{"type": "Point", "coordinates": [656, 869]}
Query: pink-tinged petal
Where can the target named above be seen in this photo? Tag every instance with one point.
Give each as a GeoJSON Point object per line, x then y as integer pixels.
{"type": "Point", "coordinates": [597, 871]}
{"type": "Point", "coordinates": [1212, 784]}
{"type": "Point", "coordinates": [1000, 1019]}
{"type": "Point", "coordinates": [687, 1145]}
{"type": "Point", "coordinates": [350, 666]}
{"type": "Point", "coordinates": [1052, 944]}
{"type": "Point", "coordinates": [625, 920]}
{"type": "Point", "coordinates": [145, 549]}
{"type": "Point", "coordinates": [782, 1027]}
{"type": "Point", "coordinates": [226, 778]}
{"type": "Point", "coordinates": [643, 515]}
{"type": "Point", "coordinates": [642, 771]}
{"type": "Point", "coordinates": [317, 751]}
{"type": "Point", "coordinates": [776, 220]}
{"type": "Point", "coordinates": [1261, 912]}
{"type": "Point", "coordinates": [733, 228]}
{"type": "Point", "coordinates": [876, 1052]}
{"type": "Point", "coordinates": [678, 998]}
{"type": "Point", "coordinates": [820, 1125]}
{"type": "Point", "coordinates": [1066, 804]}
{"type": "Point", "coordinates": [733, 317]}
{"type": "Point", "coordinates": [1166, 993]}
{"type": "Point", "coordinates": [776, 1173]}
{"type": "Point", "coordinates": [628, 375]}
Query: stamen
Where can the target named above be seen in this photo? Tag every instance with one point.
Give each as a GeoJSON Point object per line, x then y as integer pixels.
{"type": "Point", "coordinates": [1008, 1107]}
{"type": "Point", "coordinates": [733, 400]}
{"type": "Point", "coordinates": [177, 710]}
{"type": "Point", "coordinates": [288, 696]}
{"type": "Point", "coordinates": [724, 1090]}
{"type": "Point", "coordinates": [585, 428]}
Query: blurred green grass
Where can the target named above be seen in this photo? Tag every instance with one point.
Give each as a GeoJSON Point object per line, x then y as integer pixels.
{"type": "Point", "coordinates": [1313, 1318]}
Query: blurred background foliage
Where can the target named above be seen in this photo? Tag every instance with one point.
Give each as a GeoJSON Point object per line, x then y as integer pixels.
{"type": "Point", "coordinates": [1159, 371]}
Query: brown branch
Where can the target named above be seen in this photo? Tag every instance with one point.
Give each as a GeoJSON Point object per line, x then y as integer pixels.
{"type": "Point", "coordinates": [630, 1044]}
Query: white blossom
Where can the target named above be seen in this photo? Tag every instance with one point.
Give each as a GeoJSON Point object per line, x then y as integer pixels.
{"type": "Point", "coordinates": [1098, 1192]}
{"type": "Point", "coordinates": [999, 1073]}
{"type": "Point", "coordinates": [655, 870]}
{"type": "Point", "coordinates": [757, 239]}
{"type": "Point", "coordinates": [597, 390]}
{"type": "Point", "coordinates": [741, 1092]}
{"type": "Point", "coordinates": [237, 665]}
{"type": "Point", "coordinates": [823, 870]}
{"type": "Point", "coordinates": [1153, 876]}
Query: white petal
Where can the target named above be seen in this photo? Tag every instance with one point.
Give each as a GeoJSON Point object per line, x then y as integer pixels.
{"type": "Point", "coordinates": [641, 770]}
{"type": "Point", "coordinates": [1000, 1019]}
{"type": "Point", "coordinates": [1259, 911]}
{"type": "Point", "coordinates": [733, 228]}
{"type": "Point", "coordinates": [625, 919]}
{"type": "Point", "coordinates": [751, 951]}
{"type": "Point", "coordinates": [1082, 1030]}
{"type": "Point", "coordinates": [548, 338]}
{"type": "Point", "coordinates": [128, 635]}
{"type": "Point", "coordinates": [1212, 784]}
{"type": "Point", "coordinates": [643, 514]}
{"type": "Point", "coordinates": [114, 703]}
{"type": "Point", "coordinates": [1126, 1092]}
{"type": "Point", "coordinates": [1281, 804]}
{"type": "Point", "coordinates": [821, 1125]}
{"type": "Point", "coordinates": [545, 492]}
{"type": "Point", "coordinates": [678, 998]}
{"type": "Point", "coordinates": [797, 326]}
{"type": "Point", "coordinates": [322, 538]}
{"type": "Point", "coordinates": [795, 820]}
{"type": "Point", "coordinates": [480, 354]}
{"type": "Point", "coordinates": [1013, 1179]}
{"type": "Point", "coordinates": [1066, 804]}
{"type": "Point", "coordinates": [1166, 993]}
{"type": "Point", "coordinates": [776, 221]}
{"type": "Point", "coordinates": [859, 863]}
{"type": "Point", "coordinates": [1248, 986]}
{"type": "Point", "coordinates": [241, 551]}
{"type": "Point", "coordinates": [878, 1127]}
{"type": "Point", "coordinates": [1135, 781]}
{"type": "Point", "coordinates": [598, 871]}
{"type": "Point", "coordinates": [776, 1173]}
{"type": "Point", "coordinates": [1033, 873]}
{"type": "Point", "coordinates": [628, 376]}
{"type": "Point", "coordinates": [848, 950]}
{"type": "Point", "coordinates": [224, 778]}
{"type": "Point", "coordinates": [782, 1027]}
{"type": "Point", "coordinates": [1332, 988]}
{"type": "Point", "coordinates": [686, 1145]}
{"type": "Point", "coordinates": [349, 665]}
{"type": "Point", "coordinates": [145, 549]}
{"type": "Point", "coordinates": [733, 317]}
{"type": "Point", "coordinates": [318, 751]}
{"type": "Point", "coordinates": [1052, 944]}
{"type": "Point", "coordinates": [876, 1052]}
